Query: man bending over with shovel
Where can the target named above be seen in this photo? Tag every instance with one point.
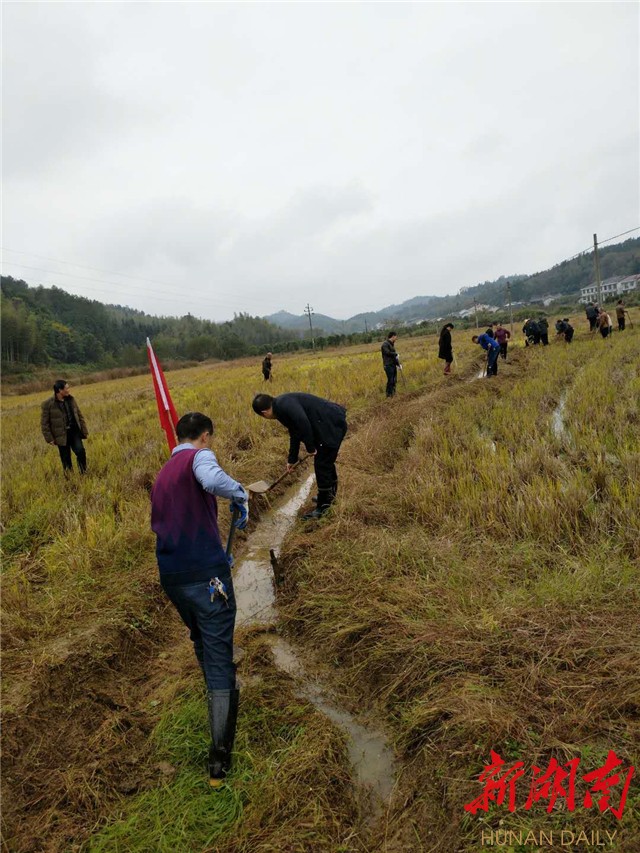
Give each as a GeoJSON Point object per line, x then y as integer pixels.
{"type": "Point", "coordinates": [195, 571]}
{"type": "Point", "coordinates": [320, 425]}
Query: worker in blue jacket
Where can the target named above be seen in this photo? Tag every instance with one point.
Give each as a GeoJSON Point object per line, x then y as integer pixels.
{"type": "Point", "coordinates": [492, 348]}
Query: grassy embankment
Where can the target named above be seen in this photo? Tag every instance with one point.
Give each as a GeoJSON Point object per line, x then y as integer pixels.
{"type": "Point", "coordinates": [478, 599]}
{"type": "Point", "coordinates": [486, 596]}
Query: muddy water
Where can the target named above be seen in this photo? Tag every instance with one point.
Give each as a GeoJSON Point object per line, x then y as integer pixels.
{"type": "Point", "coordinates": [371, 758]}
{"type": "Point", "coordinates": [370, 755]}
{"type": "Point", "coordinates": [557, 420]}
{"type": "Point", "coordinates": [253, 578]}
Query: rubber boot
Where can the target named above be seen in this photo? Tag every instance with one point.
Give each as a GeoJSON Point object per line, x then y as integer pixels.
{"type": "Point", "coordinates": [223, 715]}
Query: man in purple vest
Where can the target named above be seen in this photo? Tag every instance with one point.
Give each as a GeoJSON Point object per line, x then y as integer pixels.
{"type": "Point", "coordinates": [195, 572]}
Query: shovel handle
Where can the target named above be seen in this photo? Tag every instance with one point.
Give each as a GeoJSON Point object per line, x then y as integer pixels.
{"type": "Point", "coordinates": [232, 530]}
{"type": "Point", "coordinates": [282, 476]}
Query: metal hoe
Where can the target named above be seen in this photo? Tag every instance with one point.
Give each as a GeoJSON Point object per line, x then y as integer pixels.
{"type": "Point", "coordinates": [262, 486]}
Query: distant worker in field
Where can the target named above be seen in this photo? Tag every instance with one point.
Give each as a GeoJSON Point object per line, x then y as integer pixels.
{"type": "Point", "coordinates": [445, 347]}
{"type": "Point", "coordinates": [621, 311]}
{"type": "Point", "coordinates": [62, 425]}
{"type": "Point", "coordinates": [492, 348]}
{"type": "Point", "coordinates": [390, 362]}
{"type": "Point", "coordinates": [531, 332]}
{"type": "Point", "coordinates": [592, 315]}
{"type": "Point", "coordinates": [502, 336]}
{"type": "Point", "coordinates": [564, 328]}
{"type": "Point", "coordinates": [543, 329]}
{"type": "Point", "coordinates": [320, 425]}
{"type": "Point", "coordinates": [604, 323]}
{"type": "Point", "coordinates": [266, 367]}
{"type": "Point", "coordinates": [195, 572]}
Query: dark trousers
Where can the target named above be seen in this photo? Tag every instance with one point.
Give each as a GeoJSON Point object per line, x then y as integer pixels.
{"type": "Point", "coordinates": [74, 442]}
{"type": "Point", "coordinates": [604, 331]}
{"type": "Point", "coordinates": [211, 625]}
{"type": "Point", "coordinates": [621, 324]}
{"type": "Point", "coordinates": [568, 336]}
{"type": "Point", "coordinates": [503, 349]}
{"type": "Point", "coordinates": [492, 362]}
{"type": "Point", "coordinates": [592, 323]}
{"type": "Point", "coordinates": [324, 463]}
{"type": "Point", "coordinates": [267, 375]}
{"type": "Point", "coordinates": [392, 377]}
{"type": "Point", "coordinates": [544, 337]}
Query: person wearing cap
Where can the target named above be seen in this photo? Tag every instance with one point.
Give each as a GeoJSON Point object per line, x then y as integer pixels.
{"type": "Point", "coordinates": [64, 427]}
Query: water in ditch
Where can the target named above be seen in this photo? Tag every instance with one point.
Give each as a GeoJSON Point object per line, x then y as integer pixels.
{"type": "Point", "coordinates": [371, 757]}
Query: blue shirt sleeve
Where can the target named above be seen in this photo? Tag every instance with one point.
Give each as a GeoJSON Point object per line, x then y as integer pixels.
{"type": "Point", "coordinates": [213, 479]}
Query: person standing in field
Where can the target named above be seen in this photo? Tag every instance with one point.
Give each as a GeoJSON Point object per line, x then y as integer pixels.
{"type": "Point", "coordinates": [620, 315]}
{"type": "Point", "coordinates": [266, 367]}
{"type": "Point", "coordinates": [195, 573]}
{"type": "Point", "coordinates": [390, 362]}
{"type": "Point", "coordinates": [320, 425]}
{"type": "Point", "coordinates": [592, 315]}
{"type": "Point", "coordinates": [543, 329]}
{"type": "Point", "coordinates": [604, 323]}
{"type": "Point", "coordinates": [492, 348]}
{"type": "Point", "coordinates": [445, 347]}
{"type": "Point", "coordinates": [62, 425]}
{"type": "Point", "coordinates": [502, 336]}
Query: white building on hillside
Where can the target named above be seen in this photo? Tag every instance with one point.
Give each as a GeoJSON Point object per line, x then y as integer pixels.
{"type": "Point", "coordinates": [615, 286]}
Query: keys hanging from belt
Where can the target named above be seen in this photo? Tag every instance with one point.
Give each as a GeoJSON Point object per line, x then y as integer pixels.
{"type": "Point", "coordinates": [218, 590]}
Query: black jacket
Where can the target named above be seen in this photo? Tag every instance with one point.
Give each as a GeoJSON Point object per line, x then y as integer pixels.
{"type": "Point", "coordinates": [312, 420]}
{"type": "Point", "coordinates": [591, 311]}
{"type": "Point", "coordinates": [389, 354]}
{"type": "Point", "coordinates": [445, 349]}
{"type": "Point", "coordinates": [266, 365]}
{"type": "Point", "coordinates": [543, 326]}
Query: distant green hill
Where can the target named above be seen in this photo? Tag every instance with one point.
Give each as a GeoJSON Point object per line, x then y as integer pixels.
{"type": "Point", "coordinates": [43, 325]}
{"type": "Point", "coordinates": [566, 279]}
{"type": "Point", "coordinates": [48, 326]}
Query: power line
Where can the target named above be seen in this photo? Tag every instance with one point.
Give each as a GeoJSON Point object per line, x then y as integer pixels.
{"type": "Point", "coordinates": [600, 242]}
{"type": "Point", "coordinates": [155, 292]}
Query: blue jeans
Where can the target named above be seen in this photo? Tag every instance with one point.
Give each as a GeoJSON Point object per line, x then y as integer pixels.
{"type": "Point", "coordinates": [211, 624]}
{"type": "Point", "coordinates": [492, 362]}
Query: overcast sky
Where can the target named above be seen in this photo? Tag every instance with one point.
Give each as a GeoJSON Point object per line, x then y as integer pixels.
{"type": "Point", "coordinates": [258, 156]}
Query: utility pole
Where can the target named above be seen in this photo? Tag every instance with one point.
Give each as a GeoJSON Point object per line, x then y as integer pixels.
{"type": "Point", "coordinates": [475, 308]}
{"type": "Point", "coordinates": [597, 263]}
{"type": "Point", "coordinates": [510, 305]}
{"type": "Point", "coordinates": [309, 312]}
{"type": "Point", "coordinates": [366, 328]}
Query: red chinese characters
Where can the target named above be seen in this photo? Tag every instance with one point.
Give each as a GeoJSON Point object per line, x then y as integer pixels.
{"type": "Point", "coordinates": [558, 781]}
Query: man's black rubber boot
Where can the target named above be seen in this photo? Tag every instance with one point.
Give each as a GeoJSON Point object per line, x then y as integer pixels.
{"type": "Point", "coordinates": [223, 716]}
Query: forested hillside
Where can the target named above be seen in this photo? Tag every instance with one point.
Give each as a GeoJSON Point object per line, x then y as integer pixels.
{"type": "Point", "coordinates": [47, 325]}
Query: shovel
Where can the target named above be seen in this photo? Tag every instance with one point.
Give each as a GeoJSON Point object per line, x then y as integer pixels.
{"type": "Point", "coordinates": [232, 530]}
{"type": "Point", "coordinates": [261, 487]}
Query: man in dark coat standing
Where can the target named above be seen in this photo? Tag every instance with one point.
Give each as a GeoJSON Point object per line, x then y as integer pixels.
{"type": "Point", "coordinates": [445, 347]}
{"type": "Point", "coordinates": [320, 425]}
{"type": "Point", "coordinates": [266, 367]}
{"type": "Point", "coordinates": [390, 362]}
{"type": "Point", "coordinates": [62, 425]}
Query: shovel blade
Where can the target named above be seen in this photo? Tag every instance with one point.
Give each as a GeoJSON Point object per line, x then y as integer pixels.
{"type": "Point", "coordinates": [259, 488]}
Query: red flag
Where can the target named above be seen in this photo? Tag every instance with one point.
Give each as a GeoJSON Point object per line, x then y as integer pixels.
{"type": "Point", "coordinates": [166, 409]}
